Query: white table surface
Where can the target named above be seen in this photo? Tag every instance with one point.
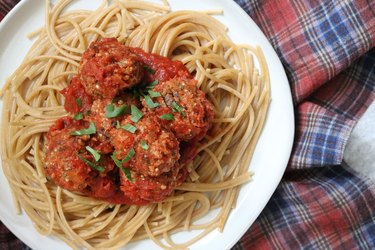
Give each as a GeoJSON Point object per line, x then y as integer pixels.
{"type": "Point", "coordinates": [359, 153]}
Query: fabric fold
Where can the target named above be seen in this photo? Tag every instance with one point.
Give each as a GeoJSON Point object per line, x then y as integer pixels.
{"type": "Point", "coordinates": [316, 208]}
{"type": "Point", "coordinates": [315, 40]}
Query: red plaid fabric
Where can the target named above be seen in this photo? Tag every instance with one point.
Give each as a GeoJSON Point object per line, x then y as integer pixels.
{"type": "Point", "coordinates": [326, 48]}
{"type": "Point", "coordinates": [6, 6]}
{"type": "Point", "coordinates": [9, 241]}
{"type": "Point", "coordinates": [316, 208]}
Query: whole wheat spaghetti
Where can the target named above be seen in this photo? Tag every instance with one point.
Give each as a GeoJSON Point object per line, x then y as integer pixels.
{"type": "Point", "coordinates": [226, 72]}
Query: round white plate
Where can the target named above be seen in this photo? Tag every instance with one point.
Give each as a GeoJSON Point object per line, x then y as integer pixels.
{"type": "Point", "coordinates": [270, 157]}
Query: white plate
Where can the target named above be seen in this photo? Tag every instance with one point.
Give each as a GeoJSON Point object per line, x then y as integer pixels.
{"type": "Point", "coordinates": [271, 154]}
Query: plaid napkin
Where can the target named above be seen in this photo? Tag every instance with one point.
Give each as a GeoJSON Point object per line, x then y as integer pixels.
{"type": "Point", "coordinates": [326, 48]}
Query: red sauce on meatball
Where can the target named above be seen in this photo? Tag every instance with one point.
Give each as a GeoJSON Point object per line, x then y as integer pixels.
{"type": "Point", "coordinates": [76, 98]}
{"type": "Point", "coordinates": [161, 68]}
{"type": "Point", "coordinates": [64, 166]}
{"type": "Point", "coordinates": [129, 140]}
{"type": "Point", "coordinates": [156, 148]}
{"type": "Point", "coordinates": [107, 67]}
{"type": "Point", "coordinates": [195, 112]}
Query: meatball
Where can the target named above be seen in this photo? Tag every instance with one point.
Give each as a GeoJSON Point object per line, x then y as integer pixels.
{"type": "Point", "coordinates": [106, 112]}
{"type": "Point", "coordinates": [192, 112]}
{"type": "Point", "coordinates": [156, 150]}
{"type": "Point", "coordinates": [142, 190]}
{"type": "Point", "coordinates": [65, 161]}
{"type": "Point", "coordinates": [76, 98]}
{"type": "Point", "coordinates": [107, 67]}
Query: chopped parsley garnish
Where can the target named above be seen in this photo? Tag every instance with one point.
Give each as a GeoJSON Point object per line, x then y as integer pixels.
{"type": "Point", "coordinates": [128, 127]}
{"type": "Point", "coordinates": [90, 164]}
{"type": "Point", "coordinates": [87, 131]}
{"type": "Point", "coordinates": [130, 154]}
{"type": "Point", "coordinates": [150, 103]}
{"type": "Point", "coordinates": [127, 173]}
{"type": "Point", "coordinates": [78, 116]}
{"type": "Point", "coordinates": [119, 163]}
{"type": "Point", "coordinates": [144, 145]}
{"type": "Point", "coordinates": [169, 117]}
{"type": "Point", "coordinates": [127, 157]}
{"type": "Point", "coordinates": [148, 69]}
{"type": "Point", "coordinates": [94, 153]}
{"type": "Point", "coordinates": [79, 102]}
{"type": "Point", "coordinates": [152, 84]}
{"type": "Point", "coordinates": [178, 108]}
{"type": "Point", "coordinates": [138, 92]}
{"type": "Point", "coordinates": [153, 93]}
{"type": "Point", "coordinates": [111, 111]}
{"type": "Point", "coordinates": [136, 114]}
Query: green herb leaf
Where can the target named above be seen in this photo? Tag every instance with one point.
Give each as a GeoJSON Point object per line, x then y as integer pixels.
{"type": "Point", "coordinates": [111, 111]}
{"type": "Point", "coordinates": [128, 127]}
{"type": "Point", "coordinates": [90, 164]}
{"type": "Point", "coordinates": [127, 157]}
{"type": "Point", "coordinates": [178, 108]}
{"type": "Point", "coordinates": [150, 103]}
{"type": "Point", "coordinates": [144, 145]}
{"type": "Point", "coordinates": [87, 131]}
{"type": "Point", "coordinates": [119, 163]}
{"type": "Point", "coordinates": [130, 155]}
{"type": "Point", "coordinates": [152, 84]}
{"type": "Point", "coordinates": [94, 153]}
{"type": "Point", "coordinates": [150, 70]}
{"type": "Point", "coordinates": [136, 114]}
{"type": "Point", "coordinates": [127, 173]}
{"type": "Point", "coordinates": [169, 117]}
{"type": "Point", "coordinates": [153, 93]}
{"type": "Point", "coordinates": [78, 116]}
{"type": "Point", "coordinates": [79, 102]}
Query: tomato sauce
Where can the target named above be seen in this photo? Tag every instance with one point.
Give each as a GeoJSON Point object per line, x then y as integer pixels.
{"type": "Point", "coordinates": [109, 154]}
{"type": "Point", "coordinates": [161, 68]}
{"type": "Point", "coordinates": [76, 98]}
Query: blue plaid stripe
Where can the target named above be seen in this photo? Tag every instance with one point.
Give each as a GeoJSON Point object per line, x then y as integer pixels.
{"type": "Point", "coordinates": [328, 205]}
{"type": "Point", "coordinates": [338, 33]}
{"type": "Point", "coordinates": [323, 39]}
{"type": "Point", "coordinates": [315, 208]}
{"type": "Point", "coordinates": [358, 80]}
{"type": "Point", "coordinates": [325, 121]}
{"type": "Point", "coordinates": [319, 137]}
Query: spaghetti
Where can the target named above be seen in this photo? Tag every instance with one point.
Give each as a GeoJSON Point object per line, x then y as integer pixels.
{"type": "Point", "coordinates": [226, 73]}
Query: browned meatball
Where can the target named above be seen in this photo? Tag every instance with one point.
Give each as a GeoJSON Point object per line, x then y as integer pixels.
{"type": "Point", "coordinates": [192, 112]}
{"type": "Point", "coordinates": [107, 67]}
{"type": "Point", "coordinates": [106, 112]}
{"type": "Point", "coordinates": [65, 161]}
{"type": "Point", "coordinates": [141, 190]}
{"type": "Point", "coordinates": [156, 150]}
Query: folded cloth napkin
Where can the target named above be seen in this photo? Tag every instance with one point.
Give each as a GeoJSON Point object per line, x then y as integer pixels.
{"type": "Point", "coordinates": [326, 48]}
